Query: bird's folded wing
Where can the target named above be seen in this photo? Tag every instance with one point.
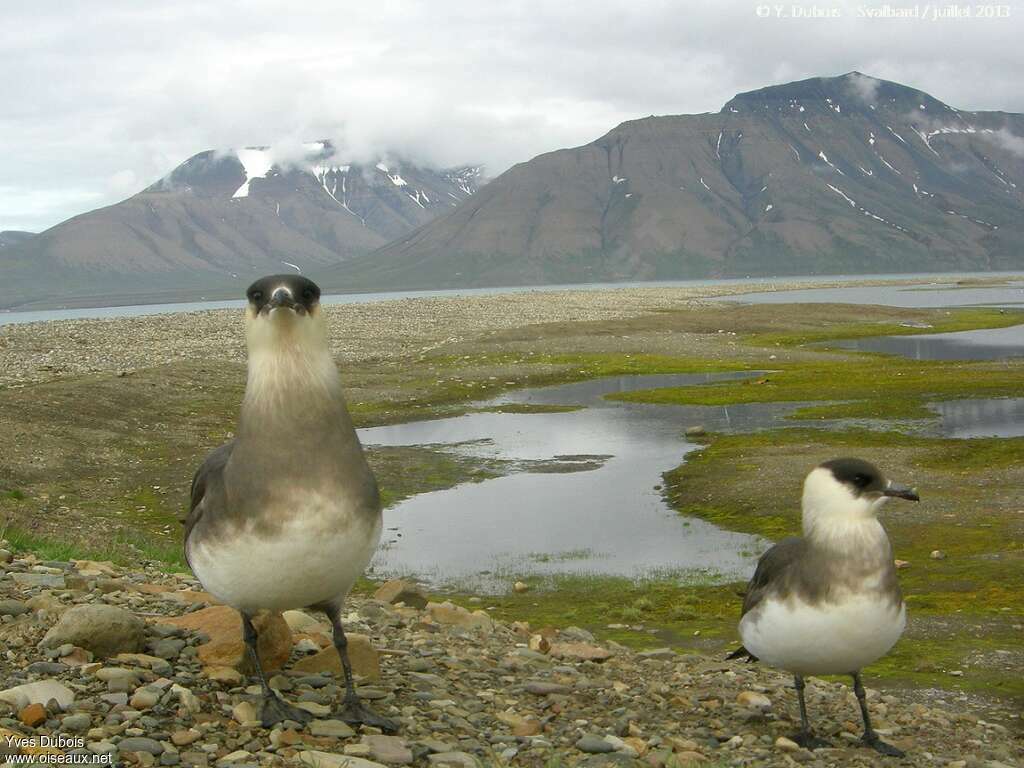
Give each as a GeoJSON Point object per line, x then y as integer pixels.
{"type": "Point", "coordinates": [210, 470]}
{"type": "Point", "coordinates": [771, 569]}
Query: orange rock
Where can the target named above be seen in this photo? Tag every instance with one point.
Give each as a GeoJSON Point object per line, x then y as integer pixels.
{"type": "Point", "coordinates": [364, 657]}
{"type": "Point", "coordinates": [191, 596]}
{"type": "Point", "coordinates": [223, 625]}
{"type": "Point", "coordinates": [579, 652]}
{"type": "Point", "coordinates": [639, 745]}
{"type": "Point", "coordinates": [224, 675]}
{"type": "Point", "coordinates": [529, 727]}
{"type": "Point", "coordinates": [77, 658]}
{"type": "Point", "coordinates": [520, 726]}
{"type": "Point", "coordinates": [449, 613]}
{"type": "Point", "coordinates": [33, 715]}
{"type": "Point", "coordinates": [95, 567]}
{"type": "Point", "coordinates": [401, 591]}
{"type": "Point", "coordinates": [290, 737]}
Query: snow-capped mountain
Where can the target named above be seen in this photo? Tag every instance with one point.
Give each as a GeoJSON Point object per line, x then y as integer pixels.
{"type": "Point", "coordinates": [383, 199]}
{"type": "Point", "coordinates": [222, 217]}
{"type": "Point", "coordinates": [827, 175]}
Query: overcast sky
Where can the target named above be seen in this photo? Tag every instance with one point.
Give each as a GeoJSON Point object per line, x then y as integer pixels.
{"type": "Point", "coordinates": [102, 97]}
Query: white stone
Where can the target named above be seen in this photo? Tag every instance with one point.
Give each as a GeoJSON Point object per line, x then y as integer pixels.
{"type": "Point", "coordinates": [38, 693]}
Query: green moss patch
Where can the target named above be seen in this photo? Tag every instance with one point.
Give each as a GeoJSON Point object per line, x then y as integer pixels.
{"type": "Point", "coordinates": [885, 387]}
{"type": "Point", "coordinates": [890, 408]}
{"type": "Point", "coordinates": [939, 321]}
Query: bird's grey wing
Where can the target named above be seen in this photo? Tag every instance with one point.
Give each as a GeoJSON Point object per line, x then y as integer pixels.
{"type": "Point", "coordinates": [772, 569]}
{"type": "Point", "coordinates": [209, 471]}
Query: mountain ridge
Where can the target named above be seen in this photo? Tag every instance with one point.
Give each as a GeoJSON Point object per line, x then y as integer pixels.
{"type": "Point", "coordinates": [222, 218]}
{"type": "Point", "coordinates": [824, 175]}
{"type": "Point", "coordinates": [847, 174]}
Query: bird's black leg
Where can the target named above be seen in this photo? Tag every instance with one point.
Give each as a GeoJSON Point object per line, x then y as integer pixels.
{"type": "Point", "coordinates": [805, 738]}
{"type": "Point", "coordinates": [275, 709]}
{"type": "Point", "coordinates": [870, 738]}
{"type": "Point", "coordinates": [353, 710]}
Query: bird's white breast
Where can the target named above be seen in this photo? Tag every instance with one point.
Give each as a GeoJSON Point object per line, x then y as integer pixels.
{"type": "Point", "coordinates": [828, 638]}
{"type": "Point", "coordinates": [313, 558]}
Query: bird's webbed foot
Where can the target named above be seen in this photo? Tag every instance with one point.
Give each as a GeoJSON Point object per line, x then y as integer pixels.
{"type": "Point", "coordinates": [276, 710]}
{"type": "Point", "coordinates": [808, 740]}
{"type": "Point", "coordinates": [354, 712]}
{"type": "Point", "coordinates": [883, 748]}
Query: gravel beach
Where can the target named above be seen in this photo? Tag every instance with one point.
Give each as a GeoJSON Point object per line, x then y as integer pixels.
{"type": "Point", "coordinates": [377, 331]}
{"type": "Point", "coordinates": [145, 667]}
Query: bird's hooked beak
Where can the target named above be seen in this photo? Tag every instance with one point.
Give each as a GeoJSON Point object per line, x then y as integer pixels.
{"type": "Point", "coordinates": [901, 491]}
{"type": "Point", "coordinates": [282, 297]}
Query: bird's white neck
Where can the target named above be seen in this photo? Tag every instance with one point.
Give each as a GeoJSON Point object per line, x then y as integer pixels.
{"type": "Point", "coordinates": [837, 519]}
{"type": "Point", "coordinates": [292, 376]}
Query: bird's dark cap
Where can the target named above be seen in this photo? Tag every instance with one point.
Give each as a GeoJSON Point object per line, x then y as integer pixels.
{"type": "Point", "coordinates": [295, 291]}
{"type": "Point", "coordinates": [863, 477]}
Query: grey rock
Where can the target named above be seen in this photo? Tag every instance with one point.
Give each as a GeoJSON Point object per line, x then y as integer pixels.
{"type": "Point", "coordinates": [76, 723]}
{"type": "Point", "coordinates": [335, 728]}
{"type": "Point", "coordinates": [166, 630]}
{"type": "Point", "coordinates": [594, 744]}
{"type": "Point", "coordinates": [52, 580]}
{"type": "Point", "coordinates": [543, 687]}
{"type": "Point", "coordinates": [168, 648]}
{"type": "Point", "coordinates": [140, 744]}
{"type": "Point", "coordinates": [103, 629]}
{"type": "Point", "coordinates": [13, 608]}
{"type": "Point", "coordinates": [313, 681]}
{"type": "Point", "coordinates": [388, 749]}
{"type": "Point", "coordinates": [577, 633]}
{"type": "Point", "coordinates": [459, 759]}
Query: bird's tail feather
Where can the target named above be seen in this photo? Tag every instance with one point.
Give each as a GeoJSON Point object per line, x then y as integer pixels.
{"type": "Point", "coordinates": [742, 653]}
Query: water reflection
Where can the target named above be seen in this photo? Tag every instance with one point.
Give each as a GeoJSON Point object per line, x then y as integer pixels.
{"type": "Point", "coordinates": [607, 520]}
{"type": "Point", "coordinates": [981, 418]}
{"type": "Point", "coordinates": [985, 344]}
{"type": "Point", "coordinates": [607, 517]}
{"type": "Point", "coordinates": [917, 296]}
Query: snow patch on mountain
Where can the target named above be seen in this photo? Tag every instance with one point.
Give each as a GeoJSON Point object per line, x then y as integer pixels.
{"type": "Point", "coordinates": [257, 163]}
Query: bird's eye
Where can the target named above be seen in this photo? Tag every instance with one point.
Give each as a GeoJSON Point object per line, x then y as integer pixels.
{"type": "Point", "coordinates": [307, 294]}
{"type": "Point", "coordinates": [861, 480]}
{"type": "Point", "coordinates": [256, 295]}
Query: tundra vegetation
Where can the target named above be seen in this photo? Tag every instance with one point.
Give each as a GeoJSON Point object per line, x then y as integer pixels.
{"type": "Point", "coordinates": [97, 464]}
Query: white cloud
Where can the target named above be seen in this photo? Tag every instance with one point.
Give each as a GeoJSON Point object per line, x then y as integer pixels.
{"type": "Point", "coordinates": [94, 90]}
{"type": "Point", "coordinates": [864, 87]}
{"type": "Point", "coordinates": [1007, 140]}
{"type": "Point", "coordinates": [124, 182]}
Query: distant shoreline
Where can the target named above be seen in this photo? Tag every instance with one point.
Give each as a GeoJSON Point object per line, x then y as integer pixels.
{"type": "Point", "coordinates": [226, 298]}
{"type": "Point", "coordinates": [383, 329]}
